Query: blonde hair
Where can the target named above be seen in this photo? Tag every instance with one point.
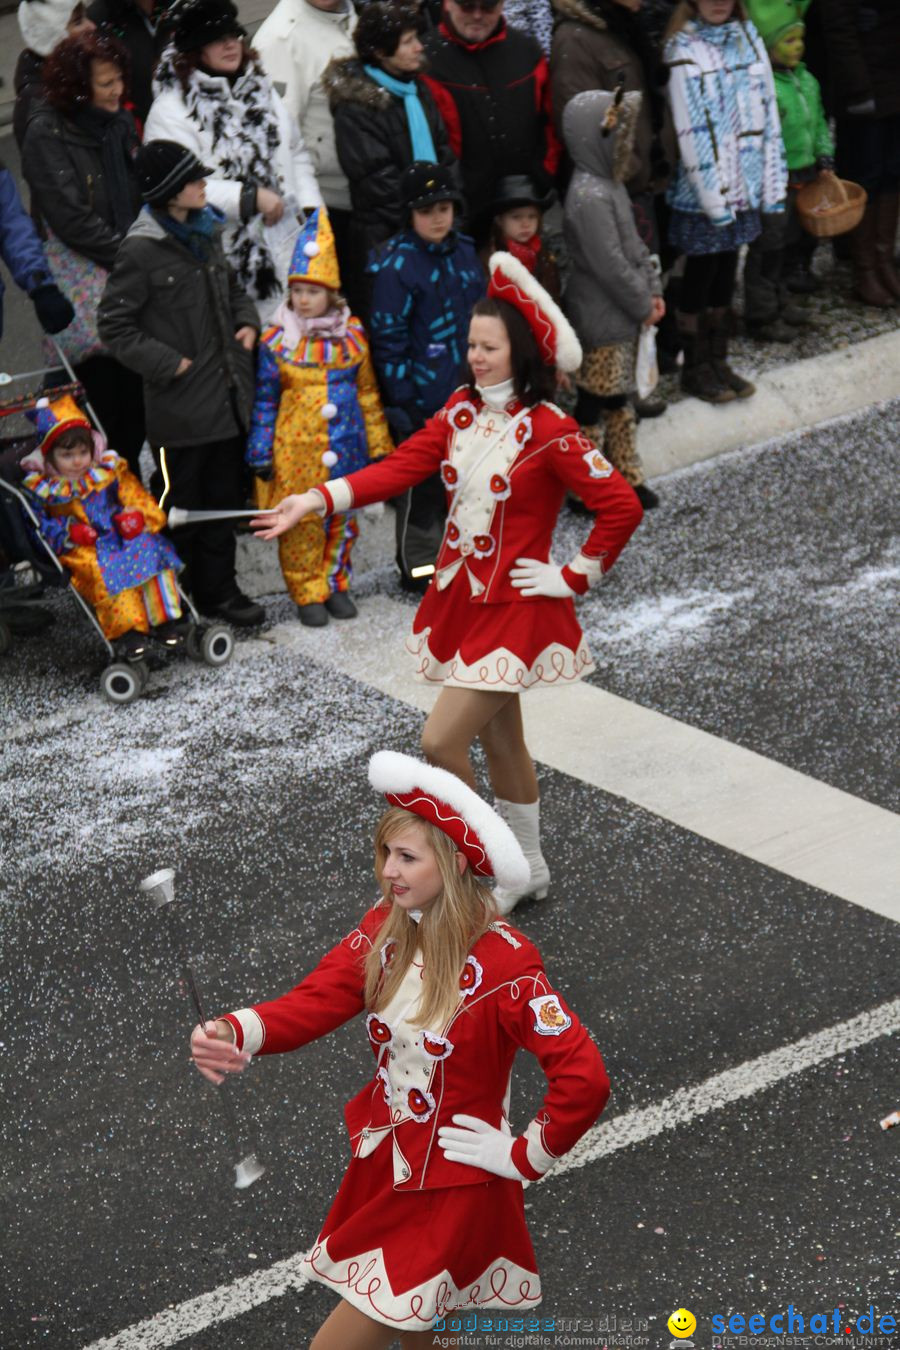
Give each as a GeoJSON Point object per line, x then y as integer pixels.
{"type": "Point", "coordinates": [445, 934]}
{"type": "Point", "coordinates": [687, 9]}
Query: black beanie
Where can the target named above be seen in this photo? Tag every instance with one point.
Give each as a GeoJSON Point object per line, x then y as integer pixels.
{"type": "Point", "coordinates": [198, 22]}
{"type": "Point", "coordinates": [164, 168]}
{"type": "Point", "coordinates": [423, 183]}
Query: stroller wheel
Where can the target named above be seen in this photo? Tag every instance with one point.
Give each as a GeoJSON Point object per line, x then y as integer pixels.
{"type": "Point", "coordinates": [192, 640]}
{"type": "Point", "coordinates": [142, 670]}
{"type": "Point", "coordinates": [5, 638]}
{"type": "Point", "coordinates": [216, 644]}
{"type": "Point", "coordinates": [121, 683]}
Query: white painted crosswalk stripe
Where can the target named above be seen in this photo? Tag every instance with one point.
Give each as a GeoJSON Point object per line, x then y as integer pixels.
{"type": "Point", "coordinates": [723, 792]}
{"type": "Point", "coordinates": [634, 1127]}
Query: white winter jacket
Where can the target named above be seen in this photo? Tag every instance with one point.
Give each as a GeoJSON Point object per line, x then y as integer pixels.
{"type": "Point", "coordinates": [169, 119]}
{"type": "Point", "coordinates": [296, 43]}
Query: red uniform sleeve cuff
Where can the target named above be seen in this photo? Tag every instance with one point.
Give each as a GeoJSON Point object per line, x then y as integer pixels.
{"type": "Point", "coordinates": [329, 500]}
{"type": "Point", "coordinates": [520, 1161]}
{"type": "Point", "coordinates": [577, 581]}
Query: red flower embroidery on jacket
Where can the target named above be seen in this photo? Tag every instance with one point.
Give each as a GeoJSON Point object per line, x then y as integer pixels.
{"type": "Point", "coordinates": [421, 1104]}
{"type": "Point", "coordinates": [449, 475]}
{"type": "Point", "coordinates": [500, 487]}
{"type": "Point", "coordinates": [379, 1032]}
{"type": "Point", "coordinates": [452, 534]}
{"type": "Point", "coordinates": [435, 1046]}
{"type": "Point", "coordinates": [471, 976]}
{"type": "Point", "coordinates": [462, 416]}
{"type": "Point", "coordinates": [523, 431]}
{"type": "Point", "coordinates": [483, 545]}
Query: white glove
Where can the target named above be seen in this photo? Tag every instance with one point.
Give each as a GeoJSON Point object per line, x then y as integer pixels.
{"type": "Point", "coordinates": [479, 1144]}
{"type": "Point", "coordinates": [539, 578]}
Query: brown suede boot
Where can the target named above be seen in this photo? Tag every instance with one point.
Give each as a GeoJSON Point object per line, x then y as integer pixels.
{"type": "Point", "coordinates": [888, 206]}
{"type": "Point", "coordinates": [697, 375]}
{"type": "Point", "coordinates": [867, 285]}
{"type": "Point", "coordinates": [718, 350]}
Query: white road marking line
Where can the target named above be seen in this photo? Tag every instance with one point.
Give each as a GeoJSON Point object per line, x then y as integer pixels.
{"type": "Point", "coordinates": [634, 1127]}
{"type": "Point", "coordinates": [720, 791]}
{"type": "Point", "coordinates": [644, 1122]}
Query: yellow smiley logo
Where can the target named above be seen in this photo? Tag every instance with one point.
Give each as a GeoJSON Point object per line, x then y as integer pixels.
{"type": "Point", "coordinates": [682, 1323]}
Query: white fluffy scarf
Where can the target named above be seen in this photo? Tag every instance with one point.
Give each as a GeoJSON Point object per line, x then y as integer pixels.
{"type": "Point", "coordinates": [241, 121]}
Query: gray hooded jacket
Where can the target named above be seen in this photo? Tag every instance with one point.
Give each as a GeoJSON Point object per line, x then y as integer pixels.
{"type": "Point", "coordinates": [611, 278]}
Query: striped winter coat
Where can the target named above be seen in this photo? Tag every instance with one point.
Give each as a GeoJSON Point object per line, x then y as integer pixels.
{"type": "Point", "coordinates": [723, 104]}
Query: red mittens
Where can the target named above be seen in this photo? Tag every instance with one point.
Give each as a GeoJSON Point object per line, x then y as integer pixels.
{"type": "Point", "coordinates": [129, 523]}
{"type": "Point", "coordinates": [82, 535]}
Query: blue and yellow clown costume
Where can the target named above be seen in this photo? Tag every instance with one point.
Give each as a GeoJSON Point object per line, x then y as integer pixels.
{"type": "Point", "coordinates": [316, 404]}
{"type": "Point", "coordinates": [127, 575]}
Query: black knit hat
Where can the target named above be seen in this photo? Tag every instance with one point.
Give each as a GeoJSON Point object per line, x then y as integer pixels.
{"type": "Point", "coordinates": [423, 184]}
{"type": "Point", "coordinates": [517, 189]}
{"type": "Point", "coordinates": [164, 168]}
{"type": "Point", "coordinates": [197, 22]}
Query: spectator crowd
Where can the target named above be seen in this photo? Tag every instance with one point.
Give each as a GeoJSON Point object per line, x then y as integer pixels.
{"type": "Point", "coordinates": [337, 188]}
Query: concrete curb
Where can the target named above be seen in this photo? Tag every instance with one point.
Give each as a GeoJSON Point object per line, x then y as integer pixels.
{"type": "Point", "coordinates": [789, 399]}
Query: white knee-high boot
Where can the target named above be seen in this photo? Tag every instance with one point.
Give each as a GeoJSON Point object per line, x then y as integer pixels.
{"type": "Point", "coordinates": [524, 819]}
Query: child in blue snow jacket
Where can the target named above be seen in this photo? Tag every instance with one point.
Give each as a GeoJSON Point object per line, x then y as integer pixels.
{"type": "Point", "coordinates": [316, 404]}
{"type": "Point", "coordinates": [426, 281]}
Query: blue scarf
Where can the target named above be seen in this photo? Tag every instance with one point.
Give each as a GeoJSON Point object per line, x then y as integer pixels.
{"type": "Point", "coordinates": [408, 90]}
{"type": "Point", "coordinates": [197, 232]}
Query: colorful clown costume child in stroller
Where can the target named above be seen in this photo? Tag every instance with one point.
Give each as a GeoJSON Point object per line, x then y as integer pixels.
{"type": "Point", "coordinates": [104, 527]}
{"type": "Point", "coordinates": [317, 405]}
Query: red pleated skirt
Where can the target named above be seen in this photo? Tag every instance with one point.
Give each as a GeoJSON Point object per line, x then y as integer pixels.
{"type": "Point", "coordinates": [516, 644]}
{"type": "Point", "coordinates": [405, 1258]}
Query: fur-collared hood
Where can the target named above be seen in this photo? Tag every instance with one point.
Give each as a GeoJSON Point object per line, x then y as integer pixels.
{"type": "Point", "coordinates": [606, 156]}
{"type": "Point", "coordinates": [579, 12]}
{"type": "Point", "coordinates": [345, 81]}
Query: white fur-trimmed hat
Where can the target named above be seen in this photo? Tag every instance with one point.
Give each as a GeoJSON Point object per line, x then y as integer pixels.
{"type": "Point", "coordinates": [511, 281]}
{"type": "Point", "coordinates": [42, 23]}
{"type": "Point", "coordinates": [447, 802]}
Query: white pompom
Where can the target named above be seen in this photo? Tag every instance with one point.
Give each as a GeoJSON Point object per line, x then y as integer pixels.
{"type": "Point", "coordinates": [329, 459]}
{"type": "Point", "coordinates": [311, 249]}
{"type": "Point", "coordinates": [328, 410]}
{"type": "Point", "coordinates": [42, 403]}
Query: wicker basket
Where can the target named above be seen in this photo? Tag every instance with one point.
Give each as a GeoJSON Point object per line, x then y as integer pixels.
{"type": "Point", "coordinates": [830, 206]}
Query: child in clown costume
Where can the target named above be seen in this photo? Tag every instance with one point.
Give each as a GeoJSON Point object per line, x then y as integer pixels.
{"type": "Point", "coordinates": [429, 1220]}
{"type": "Point", "coordinates": [317, 408]}
{"type": "Point", "coordinates": [104, 526]}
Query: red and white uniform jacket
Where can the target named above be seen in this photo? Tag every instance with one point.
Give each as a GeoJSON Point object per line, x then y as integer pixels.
{"type": "Point", "coordinates": [424, 1077]}
{"type": "Point", "coordinates": [506, 471]}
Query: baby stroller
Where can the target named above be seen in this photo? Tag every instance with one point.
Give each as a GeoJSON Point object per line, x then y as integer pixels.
{"type": "Point", "coordinates": [33, 565]}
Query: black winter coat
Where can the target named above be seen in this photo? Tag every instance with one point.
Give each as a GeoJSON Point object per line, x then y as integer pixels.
{"type": "Point", "coordinates": [160, 304]}
{"type": "Point", "coordinates": [63, 166]}
{"type": "Point", "coordinates": [28, 83]}
{"type": "Point", "coordinates": [124, 20]}
{"type": "Point", "coordinates": [495, 100]}
{"type": "Point", "coordinates": [374, 147]}
{"type": "Point", "coordinates": [862, 42]}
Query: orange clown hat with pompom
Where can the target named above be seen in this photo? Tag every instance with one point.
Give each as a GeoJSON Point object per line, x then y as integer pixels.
{"type": "Point", "coordinates": [314, 258]}
{"type": "Point", "coordinates": [52, 419]}
{"type": "Point", "coordinates": [511, 281]}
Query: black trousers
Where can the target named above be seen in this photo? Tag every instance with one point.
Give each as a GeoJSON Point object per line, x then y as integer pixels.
{"type": "Point", "coordinates": [205, 478]}
{"type": "Point", "coordinates": [117, 396]}
{"type": "Point", "coordinates": [708, 282]}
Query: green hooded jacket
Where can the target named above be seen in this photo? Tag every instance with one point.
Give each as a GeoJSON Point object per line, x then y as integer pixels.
{"type": "Point", "coordinates": [804, 129]}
